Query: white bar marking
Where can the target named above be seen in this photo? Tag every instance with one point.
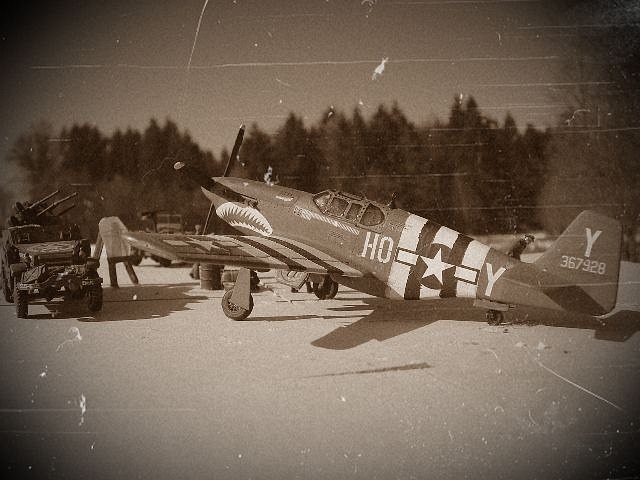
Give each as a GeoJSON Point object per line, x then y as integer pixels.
{"type": "Point", "coordinates": [446, 236]}
{"type": "Point", "coordinates": [466, 290]}
{"type": "Point", "coordinates": [466, 274]}
{"type": "Point", "coordinates": [475, 255]}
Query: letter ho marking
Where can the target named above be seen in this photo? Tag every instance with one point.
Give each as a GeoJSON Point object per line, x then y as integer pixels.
{"type": "Point", "coordinates": [383, 247]}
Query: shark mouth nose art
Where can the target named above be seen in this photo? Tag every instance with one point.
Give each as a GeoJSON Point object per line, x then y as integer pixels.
{"type": "Point", "coordinates": [244, 217]}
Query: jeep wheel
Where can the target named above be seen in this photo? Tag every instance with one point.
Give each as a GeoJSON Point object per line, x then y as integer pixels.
{"type": "Point", "coordinates": [94, 298]}
{"type": "Point", "coordinates": [22, 303]}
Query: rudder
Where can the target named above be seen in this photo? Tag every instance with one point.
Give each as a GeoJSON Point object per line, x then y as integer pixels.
{"type": "Point", "coordinates": [587, 257]}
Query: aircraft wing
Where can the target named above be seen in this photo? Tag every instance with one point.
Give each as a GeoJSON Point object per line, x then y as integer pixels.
{"type": "Point", "coordinates": [254, 252]}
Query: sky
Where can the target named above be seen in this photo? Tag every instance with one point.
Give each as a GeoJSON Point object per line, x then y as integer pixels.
{"type": "Point", "coordinates": [210, 65]}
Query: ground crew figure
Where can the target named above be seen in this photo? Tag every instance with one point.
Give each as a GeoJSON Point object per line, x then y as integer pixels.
{"type": "Point", "coordinates": [519, 247]}
{"type": "Point", "coordinates": [118, 251]}
{"type": "Point", "coordinates": [195, 269]}
{"type": "Point", "coordinates": [635, 245]}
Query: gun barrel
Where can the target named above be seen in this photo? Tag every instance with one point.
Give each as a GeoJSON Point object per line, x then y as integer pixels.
{"type": "Point", "coordinates": [55, 204]}
{"type": "Point", "coordinates": [65, 210]}
{"type": "Point", "coordinates": [42, 200]}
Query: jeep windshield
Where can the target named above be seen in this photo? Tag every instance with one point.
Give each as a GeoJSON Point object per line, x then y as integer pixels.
{"type": "Point", "coordinates": [39, 234]}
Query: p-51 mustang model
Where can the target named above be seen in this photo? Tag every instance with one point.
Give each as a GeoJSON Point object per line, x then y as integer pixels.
{"type": "Point", "coordinates": [387, 252]}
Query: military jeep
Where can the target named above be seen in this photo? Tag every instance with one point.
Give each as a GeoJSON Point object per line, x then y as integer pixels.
{"type": "Point", "coordinates": [47, 261]}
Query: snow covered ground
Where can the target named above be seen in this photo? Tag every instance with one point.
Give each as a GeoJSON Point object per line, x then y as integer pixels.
{"type": "Point", "coordinates": [161, 384]}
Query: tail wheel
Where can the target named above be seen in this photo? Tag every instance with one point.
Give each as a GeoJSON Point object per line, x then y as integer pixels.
{"type": "Point", "coordinates": [21, 299]}
{"type": "Point", "coordinates": [326, 289]}
{"type": "Point", "coordinates": [233, 311]}
{"type": "Point", "coordinates": [494, 317]}
{"type": "Point", "coordinates": [94, 298]}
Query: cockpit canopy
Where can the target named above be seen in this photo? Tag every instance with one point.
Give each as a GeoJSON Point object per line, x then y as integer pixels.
{"type": "Point", "coordinates": [355, 209]}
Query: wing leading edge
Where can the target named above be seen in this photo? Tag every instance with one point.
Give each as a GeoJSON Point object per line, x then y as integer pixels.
{"type": "Point", "coordinates": [242, 251]}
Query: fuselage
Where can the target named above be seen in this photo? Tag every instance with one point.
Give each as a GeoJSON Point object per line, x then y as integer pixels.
{"type": "Point", "coordinates": [401, 255]}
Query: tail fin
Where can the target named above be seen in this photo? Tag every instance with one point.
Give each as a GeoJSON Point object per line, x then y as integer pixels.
{"type": "Point", "coordinates": [587, 257]}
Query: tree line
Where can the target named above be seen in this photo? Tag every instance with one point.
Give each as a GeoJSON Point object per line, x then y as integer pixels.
{"type": "Point", "coordinates": [469, 171]}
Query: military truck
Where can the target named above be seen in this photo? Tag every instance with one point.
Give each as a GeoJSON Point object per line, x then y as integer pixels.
{"type": "Point", "coordinates": [46, 260]}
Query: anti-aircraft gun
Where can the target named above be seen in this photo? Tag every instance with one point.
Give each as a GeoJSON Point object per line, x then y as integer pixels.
{"type": "Point", "coordinates": [44, 257]}
{"type": "Point", "coordinates": [39, 213]}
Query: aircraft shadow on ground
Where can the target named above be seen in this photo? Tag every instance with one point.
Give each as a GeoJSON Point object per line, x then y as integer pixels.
{"type": "Point", "coordinates": [135, 302]}
{"type": "Point", "coordinates": [389, 319]}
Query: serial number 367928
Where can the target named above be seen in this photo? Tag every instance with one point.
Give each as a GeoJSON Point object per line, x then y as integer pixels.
{"type": "Point", "coordinates": [584, 264]}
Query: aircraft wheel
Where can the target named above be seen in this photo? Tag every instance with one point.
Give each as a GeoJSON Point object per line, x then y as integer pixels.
{"type": "Point", "coordinates": [233, 311]}
{"type": "Point", "coordinates": [494, 317]}
{"type": "Point", "coordinates": [22, 303]}
{"type": "Point", "coordinates": [326, 289]}
{"type": "Point", "coordinates": [94, 298]}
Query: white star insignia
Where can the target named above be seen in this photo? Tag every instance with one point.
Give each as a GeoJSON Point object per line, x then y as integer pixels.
{"type": "Point", "coordinates": [435, 266]}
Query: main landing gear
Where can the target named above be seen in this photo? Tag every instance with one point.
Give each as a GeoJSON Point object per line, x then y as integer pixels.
{"type": "Point", "coordinates": [237, 303]}
{"type": "Point", "coordinates": [326, 289]}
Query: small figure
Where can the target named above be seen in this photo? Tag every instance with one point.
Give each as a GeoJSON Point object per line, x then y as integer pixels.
{"type": "Point", "coordinates": [268, 177]}
{"type": "Point", "coordinates": [195, 269]}
{"type": "Point", "coordinates": [520, 246]}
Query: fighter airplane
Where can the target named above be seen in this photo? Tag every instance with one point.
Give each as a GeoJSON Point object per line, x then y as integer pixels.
{"type": "Point", "coordinates": [340, 238]}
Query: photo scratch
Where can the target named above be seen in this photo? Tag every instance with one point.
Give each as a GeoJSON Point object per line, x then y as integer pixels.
{"type": "Point", "coordinates": [75, 331]}
{"type": "Point", "coordinates": [379, 70]}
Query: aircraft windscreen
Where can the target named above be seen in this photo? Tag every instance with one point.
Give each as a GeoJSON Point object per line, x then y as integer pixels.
{"type": "Point", "coordinates": [337, 206]}
{"type": "Point", "coordinates": [354, 210]}
{"type": "Point", "coordinates": [372, 216]}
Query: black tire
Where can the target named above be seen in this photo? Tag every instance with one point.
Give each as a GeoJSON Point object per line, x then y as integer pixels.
{"type": "Point", "coordinates": [494, 317]}
{"type": "Point", "coordinates": [22, 303]}
{"type": "Point", "coordinates": [135, 257]}
{"type": "Point", "coordinates": [94, 298]}
{"type": "Point", "coordinates": [233, 311]}
{"type": "Point", "coordinates": [326, 289]}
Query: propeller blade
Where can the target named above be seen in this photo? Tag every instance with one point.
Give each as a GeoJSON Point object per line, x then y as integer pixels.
{"type": "Point", "coordinates": [234, 152]}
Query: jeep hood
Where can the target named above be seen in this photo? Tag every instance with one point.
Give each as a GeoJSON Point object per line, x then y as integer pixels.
{"type": "Point", "coordinates": [48, 248]}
